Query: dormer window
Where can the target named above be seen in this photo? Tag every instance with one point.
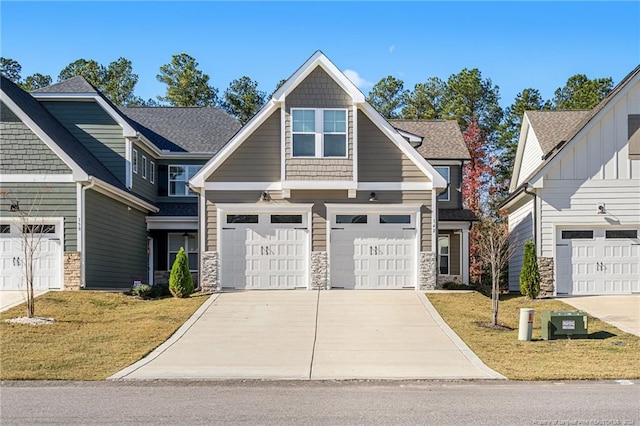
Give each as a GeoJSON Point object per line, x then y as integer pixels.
{"type": "Point", "coordinates": [319, 133]}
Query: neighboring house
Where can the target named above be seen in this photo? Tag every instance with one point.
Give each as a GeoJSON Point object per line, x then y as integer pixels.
{"type": "Point", "coordinates": [110, 182]}
{"type": "Point", "coordinates": [575, 191]}
{"type": "Point", "coordinates": [318, 190]}
{"type": "Point", "coordinates": [441, 143]}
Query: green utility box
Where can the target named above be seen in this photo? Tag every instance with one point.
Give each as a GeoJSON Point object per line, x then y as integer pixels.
{"type": "Point", "coordinates": [564, 325]}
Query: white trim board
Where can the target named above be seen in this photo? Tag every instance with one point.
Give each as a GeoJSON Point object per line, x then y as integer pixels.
{"type": "Point", "coordinates": [311, 185]}
{"type": "Point", "coordinates": [36, 178]}
{"type": "Point", "coordinates": [172, 222]}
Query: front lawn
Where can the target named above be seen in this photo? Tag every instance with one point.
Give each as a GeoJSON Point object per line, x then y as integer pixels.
{"type": "Point", "coordinates": [609, 353]}
{"type": "Point", "coordinates": [95, 334]}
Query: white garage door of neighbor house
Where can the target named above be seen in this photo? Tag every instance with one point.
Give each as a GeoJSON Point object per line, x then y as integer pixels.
{"type": "Point", "coordinates": [598, 261]}
{"type": "Point", "coordinates": [373, 251]}
{"type": "Point", "coordinates": [45, 238]}
{"type": "Point", "coordinates": [264, 251]}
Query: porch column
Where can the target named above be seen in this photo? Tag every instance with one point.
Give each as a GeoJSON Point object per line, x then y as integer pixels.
{"type": "Point", "coordinates": [465, 255]}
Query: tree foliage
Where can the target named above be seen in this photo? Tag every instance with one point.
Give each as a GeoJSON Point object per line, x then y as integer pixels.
{"type": "Point", "coordinates": [36, 81]}
{"type": "Point", "coordinates": [425, 100]}
{"type": "Point", "coordinates": [90, 69]}
{"type": "Point", "coordinates": [242, 99]}
{"type": "Point", "coordinates": [388, 96]}
{"type": "Point", "coordinates": [582, 93]}
{"type": "Point", "coordinates": [186, 85]}
{"type": "Point", "coordinates": [11, 69]}
{"type": "Point", "coordinates": [180, 280]}
{"type": "Point", "coordinates": [529, 274]}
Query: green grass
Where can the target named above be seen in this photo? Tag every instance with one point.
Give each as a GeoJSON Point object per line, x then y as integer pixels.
{"type": "Point", "coordinates": [609, 353]}
{"type": "Point", "coordinates": [95, 334]}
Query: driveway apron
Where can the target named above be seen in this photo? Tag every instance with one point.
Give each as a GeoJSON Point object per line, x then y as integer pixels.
{"type": "Point", "coordinates": [620, 311]}
{"type": "Point", "coordinates": [338, 334]}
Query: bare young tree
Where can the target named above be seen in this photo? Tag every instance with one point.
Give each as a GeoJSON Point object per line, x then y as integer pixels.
{"type": "Point", "coordinates": [496, 250]}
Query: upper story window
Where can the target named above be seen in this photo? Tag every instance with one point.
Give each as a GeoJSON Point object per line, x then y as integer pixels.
{"type": "Point", "coordinates": [445, 172]}
{"type": "Point", "coordinates": [152, 172]}
{"type": "Point", "coordinates": [179, 179]}
{"type": "Point", "coordinates": [144, 167]}
{"type": "Point", "coordinates": [134, 161]}
{"type": "Point", "coordinates": [319, 133]}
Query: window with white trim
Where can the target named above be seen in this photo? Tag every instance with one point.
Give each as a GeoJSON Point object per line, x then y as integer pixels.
{"type": "Point", "coordinates": [445, 172]}
{"type": "Point", "coordinates": [319, 133]}
{"type": "Point", "coordinates": [179, 180]}
{"type": "Point", "coordinates": [152, 172]}
{"type": "Point", "coordinates": [443, 254]}
{"type": "Point", "coordinates": [134, 161]}
{"type": "Point", "coordinates": [188, 240]}
{"type": "Point", "coordinates": [144, 167]}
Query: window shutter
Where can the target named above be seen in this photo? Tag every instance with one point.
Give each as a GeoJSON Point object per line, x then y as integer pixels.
{"type": "Point", "coordinates": [163, 180]}
{"type": "Point", "coordinates": [634, 136]}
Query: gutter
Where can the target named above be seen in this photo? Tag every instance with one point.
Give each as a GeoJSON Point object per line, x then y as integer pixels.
{"type": "Point", "coordinates": [534, 216]}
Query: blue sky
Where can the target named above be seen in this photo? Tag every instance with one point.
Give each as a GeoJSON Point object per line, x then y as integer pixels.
{"type": "Point", "coordinates": [515, 44]}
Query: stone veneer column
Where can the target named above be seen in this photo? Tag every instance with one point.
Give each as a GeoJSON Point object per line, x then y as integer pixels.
{"type": "Point", "coordinates": [71, 270]}
{"type": "Point", "coordinates": [319, 270]}
{"type": "Point", "coordinates": [545, 267]}
{"type": "Point", "coordinates": [427, 270]}
{"type": "Point", "coordinates": [210, 280]}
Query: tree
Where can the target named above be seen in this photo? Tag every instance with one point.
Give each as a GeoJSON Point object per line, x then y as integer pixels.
{"type": "Point", "coordinates": [425, 100]}
{"type": "Point", "coordinates": [186, 84]}
{"type": "Point", "coordinates": [387, 96]}
{"type": "Point", "coordinates": [278, 85]}
{"type": "Point", "coordinates": [36, 81]}
{"type": "Point", "coordinates": [11, 69]}
{"type": "Point", "coordinates": [468, 96]}
{"type": "Point", "coordinates": [493, 246]}
{"type": "Point", "coordinates": [243, 99]}
{"type": "Point", "coordinates": [180, 280]}
{"type": "Point", "coordinates": [582, 93]}
{"type": "Point", "coordinates": [529, 274]}
{"type": "Point", "coordinates": [119, 82]}
{"type": "Point", "coordinates": [509, 132]}
{"type": "Point", "coordinates": [91, 70]}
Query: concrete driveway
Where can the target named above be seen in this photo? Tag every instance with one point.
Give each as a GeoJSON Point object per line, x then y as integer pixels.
{"type": "Point", "coordinates": [310, 335]}
{"type": "Point", "coordinates": [620, 311]}
{"type": "Point", "coordinates": [11, 298]}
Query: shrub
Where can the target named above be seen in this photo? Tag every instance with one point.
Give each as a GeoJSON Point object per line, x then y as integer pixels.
{"type": "Point", "coordinates": [160, 290]}
{"type": "Point", "coordinates": [452, 285]}
{"type": "Point", "coordinates": [180, 280]}
{"type": "Point", "coordinates": [144, 291]}
{"type": "Point", "coordinates": [529, 274]}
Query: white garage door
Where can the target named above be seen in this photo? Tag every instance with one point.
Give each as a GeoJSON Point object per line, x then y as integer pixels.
{"type": "Point", "coordinates": [264, 251]}
{"type": "Point", "coordinates": [47, 257]}
{"type": "Point", "coordinates": [598, 261]}
{"type": "Point", "coordinates": [373, 251]}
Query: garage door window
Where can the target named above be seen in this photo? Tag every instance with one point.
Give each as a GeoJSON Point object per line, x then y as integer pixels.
{"type": "Point", "coordinates": [5, 229]}
{"type": "Point", "coordinates": [622, 233]}
{"type": "Point", "coordinates": [395, 218]}
{"type": "Point", "coordinates": [286, 218]}
{"type": "Point", "coordinates": [190, 243]}
{"type": "Point", "coordinates": [242, 218]}
{"type": "Point", "coordinates": [577, 235]}
{"type": "Point", "coordinates": [39, 229]}
{"type": "Point", "coordinates": [346, 218]}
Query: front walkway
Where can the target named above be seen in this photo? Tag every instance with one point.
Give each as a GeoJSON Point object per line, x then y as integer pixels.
{"type": "Point", "coordinates": [338, 334]}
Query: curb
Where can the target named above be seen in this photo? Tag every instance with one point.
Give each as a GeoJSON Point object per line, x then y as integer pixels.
{"type": "Point", "coordinates": [122, 374]}
{"type": "Point", "coordinates": [462, 347]}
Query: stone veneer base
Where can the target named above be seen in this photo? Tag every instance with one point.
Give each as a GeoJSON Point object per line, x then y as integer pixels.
{"type": "Point", "coordinates": [72, 270]}
{"type": "Point", "coordinates": [427, 271]}
{"type": "Point", "coordinates": [210, 279]}
{"type": "Point", "coordinates": [319, 270]}
{"type": "Point", "coordinates": [545, 267]}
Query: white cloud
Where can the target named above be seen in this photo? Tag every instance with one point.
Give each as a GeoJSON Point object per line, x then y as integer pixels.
{"type": "Point", "coordinates": [392, 48]}
{"type": "Point", "coordinates": [356, 79]}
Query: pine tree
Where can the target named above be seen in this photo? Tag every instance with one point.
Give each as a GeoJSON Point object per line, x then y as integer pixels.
{"type": "Point", "coordinates": [529, 274]}
{"type": "Point", "coordinates": [180, 280]}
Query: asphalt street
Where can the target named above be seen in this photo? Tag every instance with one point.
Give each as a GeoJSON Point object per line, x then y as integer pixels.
{"type": "Point", "coordinates": [321, 403]}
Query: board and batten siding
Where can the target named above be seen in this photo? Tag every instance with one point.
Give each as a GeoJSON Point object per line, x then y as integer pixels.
{"type": "Point", "coordinates": [380, 160]}
{"type": "Point", "coordinates": [520, 231]}
{"type": "Point", "coordinates": [319, 211]}
{"type": "Point", "coordinates": [596, 169]}
{"type": "Point", "coordinates": [22, 151]}
{"type": "Point", "coordinates": [96, 130]}
{"type": "Point", "coordinates": [257, 159]}
{"type": "Point", "coordinates": [141, 186]}
{"type": "Point", "coordinates": [318, 90]}
{"type": "Point", "coordinates": [116, 243]}
{"type": "Point", "coordinates": [531, 158]}
{"type": "Point", "coordinates": [44, 200]}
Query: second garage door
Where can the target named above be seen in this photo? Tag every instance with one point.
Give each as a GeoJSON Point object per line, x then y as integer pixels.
{"type": "Point", "coordinates": [373, 251]}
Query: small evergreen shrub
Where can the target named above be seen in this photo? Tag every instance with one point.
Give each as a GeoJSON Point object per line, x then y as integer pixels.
{"type": "Point", "coordinates": [143, 291]}
{"type": "Point", "coordinates": [160, 290]}
{"type": "Point", "coordinates": [529, 274]}
{"type": "Point", "coordinates": [180, 280]}
{"type": "Point", "coordinates": [452, 285]}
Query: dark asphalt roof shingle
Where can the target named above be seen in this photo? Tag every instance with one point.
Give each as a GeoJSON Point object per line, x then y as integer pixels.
{"type": "Point", "coordinates": [456, 215]}
{"type": "Point", "coordinates": [60, 135]}
{"type": "Point", "coordinates": [183, 129]}
{"type": "Point", "coordinates": [75, 84]}
{"type": "Point", "coordinates": [551, 127]}
{"type": "Point", "coordinates": [442, 139]}
{"type": "Point", "coordinates": [177, 209]}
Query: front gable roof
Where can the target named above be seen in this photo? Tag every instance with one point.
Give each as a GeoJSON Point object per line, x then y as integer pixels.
{"type": "Point", "coordinates": [318, 59]}
{"type": "Point", "coordinates": [441, 139]}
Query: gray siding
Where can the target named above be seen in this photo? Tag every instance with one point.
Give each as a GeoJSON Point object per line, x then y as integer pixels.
{"type": "Point", "coordinates": [22, 152]}
{"type": "Point", "coordinates": [318, 90]}
{"type": "Point", "coordinates": [455, 187]}
{"type": "Point", "coordinates": [257, 159]}
{"type": "Point", "coordinates": [379, 159]}
{"type": "Point", "coordinates": [45, 200]}
{"type": "Point", "coordinates": [143, 187]}
{"type": "Point", "coordinates": [319, 198]}
{"type": "Point", "coordinates": [116, 243]}
{"type": "Point", "coordinates": [95, 129]}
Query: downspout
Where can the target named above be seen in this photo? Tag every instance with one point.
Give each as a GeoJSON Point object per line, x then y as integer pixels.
{"type": "Point", "coordinates": [535, 219]}
{"type": "Point", "coordinates": [83, 281]}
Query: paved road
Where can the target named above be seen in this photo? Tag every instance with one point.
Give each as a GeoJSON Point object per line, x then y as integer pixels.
{"type": "Point", "coordinates": [322, 403]}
